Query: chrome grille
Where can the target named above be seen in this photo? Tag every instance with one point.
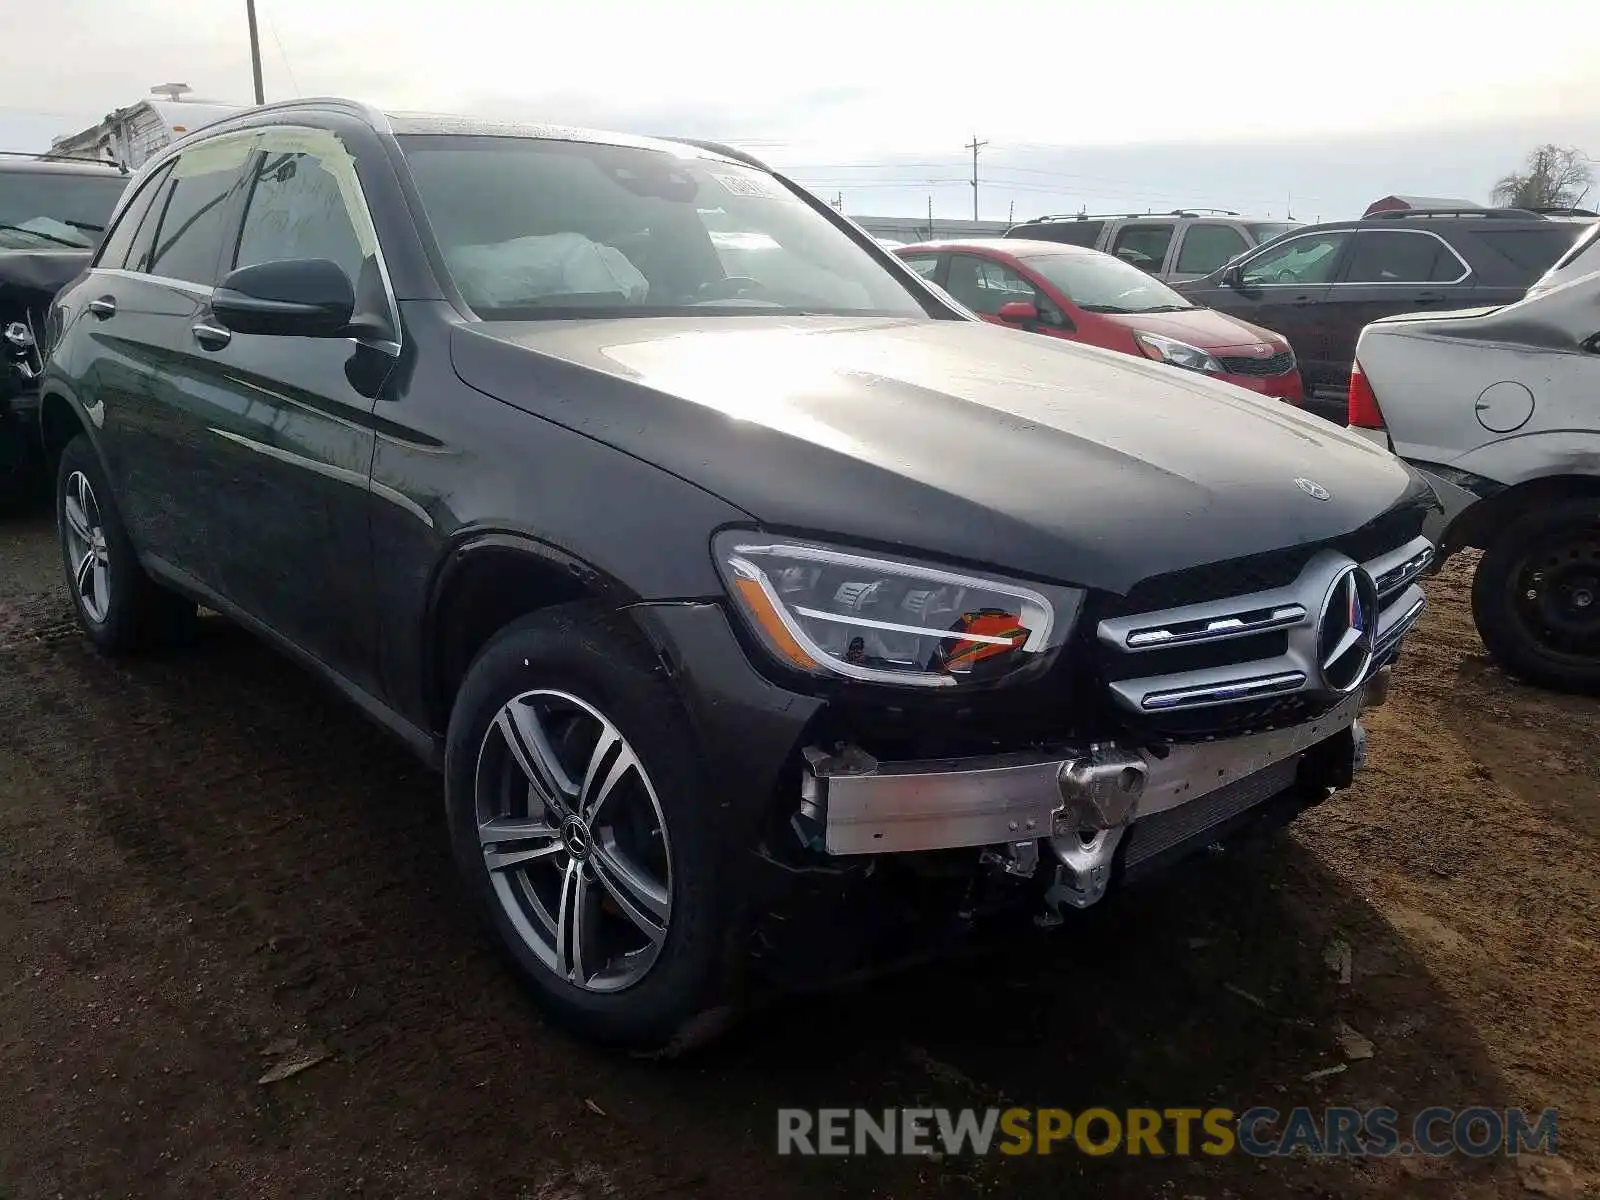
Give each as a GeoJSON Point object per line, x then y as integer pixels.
{"type": "Point", "coordinates": [1266, 656]}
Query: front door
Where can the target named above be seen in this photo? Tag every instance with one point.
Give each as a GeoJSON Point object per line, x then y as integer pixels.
{"type": "Point", "coordinates": [291, 418]}
{"type": "Point", "coordinates": [1284, 287]}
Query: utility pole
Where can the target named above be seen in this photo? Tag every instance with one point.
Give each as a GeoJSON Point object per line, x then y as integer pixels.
{"type": "Point", "coordinates": [255, 50]}
{"type": "Point", "coordinates": [930, 216]}
{"type": "Point", "coordinates": [1011, 214]}
{"type": "Point", "coordinates": [975, 145]}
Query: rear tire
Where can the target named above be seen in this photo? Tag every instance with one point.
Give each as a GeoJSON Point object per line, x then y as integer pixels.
{"type": "Point", "coordinates": [610, 902]}
{"type": "Point", "coordinates": [1536, 596]}
{"type": "Point", "coordinates": [119, 606]}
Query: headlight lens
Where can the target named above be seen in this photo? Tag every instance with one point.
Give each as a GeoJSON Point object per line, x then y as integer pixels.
{"type": "Point", "coordinates": [830, 611]}
{"type": "Point", "coordinates": [1179, 354]}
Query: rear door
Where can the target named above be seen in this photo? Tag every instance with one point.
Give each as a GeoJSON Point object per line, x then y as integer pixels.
{"type": "Point", "coordinates": [154, 433]}
{"type": "Point", "coordinates": [1390, 271]}
{"type": "Point", "coordinates": [1144, 244]}
{"type": "Point", "coordinates": [1203, 246]}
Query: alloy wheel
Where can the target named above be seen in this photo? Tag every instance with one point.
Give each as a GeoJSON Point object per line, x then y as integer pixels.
{"type": "Point", "coordinates": [87, 555]}
{"type": "Point", "coordinates": [574, 840]}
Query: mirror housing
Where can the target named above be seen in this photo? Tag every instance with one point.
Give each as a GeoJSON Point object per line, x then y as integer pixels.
{"type": "Point", "coordinates": [1232, 276]}
{"type": "Point", "coordinates": [1019, 312]}
{"type": "Point", "coordinates": [291, 297]}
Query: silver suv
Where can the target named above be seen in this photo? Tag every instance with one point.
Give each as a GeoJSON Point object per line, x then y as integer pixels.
{"type": "Point", "coordinates": [1500, 408]}
{"type": "Point", "coordinates": [1182, 244]}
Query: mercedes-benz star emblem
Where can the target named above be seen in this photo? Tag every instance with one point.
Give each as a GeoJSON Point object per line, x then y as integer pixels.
{"type": "Point", "coordinates": [1347, 631]}
{"type": "Point", "coordinates": [1313, 489]}
{"type": "Point", "coordinates": [575, 837]}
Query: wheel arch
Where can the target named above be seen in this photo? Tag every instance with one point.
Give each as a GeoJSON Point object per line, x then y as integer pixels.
{"type": "Point", "coordinates": [1476, 524]}
{"type": "Point", "coordinates": [62, 418]}
{"type": "Point", "coordinates": [485, 582]}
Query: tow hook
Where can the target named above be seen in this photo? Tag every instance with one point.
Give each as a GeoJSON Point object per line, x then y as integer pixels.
{"type": "Point", "coordinates": [1099, 792]}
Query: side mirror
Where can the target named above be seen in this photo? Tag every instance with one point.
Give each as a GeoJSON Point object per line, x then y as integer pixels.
{"type": "Point", "coordinates": [1019, 312]}
{"type": "Point", "coordinates": [292, 297]}
{"type": "Point", "coordinates": [1232, 277]}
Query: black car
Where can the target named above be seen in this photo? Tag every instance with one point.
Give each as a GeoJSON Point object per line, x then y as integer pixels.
{"type": "Point", "coordinates": [1321, 285]}
{"type": "Point", "coordinates": [728, 573]}
{"type": "Point", "coordinates": [52, 214]}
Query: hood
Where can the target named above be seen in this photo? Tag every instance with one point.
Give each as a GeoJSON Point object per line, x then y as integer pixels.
{"type": "Point", "coordinates": [1203, 327]}
{"type": "Point", "coordinates": [950, 438]}
{"type": "Point", "coordinates": [30, 279]}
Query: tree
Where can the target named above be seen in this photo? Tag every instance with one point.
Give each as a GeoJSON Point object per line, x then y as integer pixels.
{"type": "Point", "coordinates": [1552, 177]}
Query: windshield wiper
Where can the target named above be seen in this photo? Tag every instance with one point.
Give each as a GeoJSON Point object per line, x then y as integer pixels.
{"type": "Point", "coordinates": [1104, 308]}
{"type": "Point", "coordinates": [39, 233]}
{"type": "Point", "coordinates": [1168, 308]}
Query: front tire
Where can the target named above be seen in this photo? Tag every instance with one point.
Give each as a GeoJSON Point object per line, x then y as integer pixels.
{"type": "Point", "coordinates": [120, 607]}
{"type": "Point", "coordinates": [1536, 596]}
{"type": "Point", "coordinates": [582, 820]}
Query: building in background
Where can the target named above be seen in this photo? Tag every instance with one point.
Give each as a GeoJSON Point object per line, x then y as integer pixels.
{"type": "Point", "coordinates": [1399, 203]}
{"type": "Point", "coordinates": [128, 136]}
{"type": "Point", "coordinates": [920, 229]}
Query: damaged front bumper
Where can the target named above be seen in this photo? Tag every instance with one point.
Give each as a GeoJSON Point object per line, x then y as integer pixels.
{"type": "Point", "coordinates": [1096, 810]}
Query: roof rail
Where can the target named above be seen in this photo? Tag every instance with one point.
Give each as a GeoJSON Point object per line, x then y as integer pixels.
{"type": "Point", "coordinates": [1117, 216]}
{"type": "Point", "coordinates": [1488, 214]}
{"type": "Point", "coordinates": [1563, 211]}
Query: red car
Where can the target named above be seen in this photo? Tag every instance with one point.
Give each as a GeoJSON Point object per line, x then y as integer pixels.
{"type": "Point", "coordinates": [1086, 296]}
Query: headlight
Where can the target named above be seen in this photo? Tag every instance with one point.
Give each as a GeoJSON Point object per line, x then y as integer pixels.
{"type": "Point", "coordinates": [829, 611]}
{"type": "Point", "coordinates": [1179, 354]}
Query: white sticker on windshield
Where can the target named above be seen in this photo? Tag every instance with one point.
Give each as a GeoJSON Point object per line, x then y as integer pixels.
{"type": "Point", "coordinates": [762, 186]}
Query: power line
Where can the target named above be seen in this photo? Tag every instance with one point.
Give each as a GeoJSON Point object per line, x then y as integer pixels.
{"type": "Point", "coordinates": [975, 145]}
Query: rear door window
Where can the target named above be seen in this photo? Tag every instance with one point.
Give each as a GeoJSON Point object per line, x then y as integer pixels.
{"type": "Point", "coordinates": [926, 265]}
{"type": "Point", "coordinates": [1143, 244]}
{"type": "Point", "coordinates": [115, 250]}
{"type": "Point", "coordinates": [1207, 246]}
{"type": "Point", "coordinates": [1402, 256]}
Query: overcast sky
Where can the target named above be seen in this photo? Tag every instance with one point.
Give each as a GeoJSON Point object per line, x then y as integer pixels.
{"type": "Point", "coordinates": [1231, 103]}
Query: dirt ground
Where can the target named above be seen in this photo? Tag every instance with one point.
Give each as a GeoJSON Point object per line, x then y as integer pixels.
{"type": "Point", "coordinates": [208, 864]}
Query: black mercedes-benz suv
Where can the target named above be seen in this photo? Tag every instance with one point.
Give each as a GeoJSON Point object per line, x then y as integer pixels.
{"type": "Point", "coordinates": [719, 564]}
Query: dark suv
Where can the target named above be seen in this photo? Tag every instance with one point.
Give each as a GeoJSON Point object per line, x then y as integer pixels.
{"type": "Point", "coordinates": [1322, 284]}
{"type": "Point", "coordinates": [729, 573]}
{"type": "Point", "coordinates": [51, 217]}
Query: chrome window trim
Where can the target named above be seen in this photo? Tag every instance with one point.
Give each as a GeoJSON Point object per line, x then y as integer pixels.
{"type": "Point", "coordinates": [1466, 270]}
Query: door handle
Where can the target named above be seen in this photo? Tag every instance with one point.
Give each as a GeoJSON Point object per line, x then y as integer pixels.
{"type": "Point", "coordinates": [1430, 298]}
{"type": "Point", "coordinates": [105, 307]}
{"type": "Point", "coordinates": [212, 337]}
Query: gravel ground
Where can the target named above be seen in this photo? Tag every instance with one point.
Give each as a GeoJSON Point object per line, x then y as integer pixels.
{"type": "Point", "coordinates": [209, 864]}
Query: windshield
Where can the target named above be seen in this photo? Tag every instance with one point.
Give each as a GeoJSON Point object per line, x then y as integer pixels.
{"type": "Point", "coordinates": [1265, 231]}
{"type": "Point", "coordinates": [48, 210]}
{"type": "Point", "coordinates": [532, 227]}
{"type": "Point", "coordinates": [1099, 283]}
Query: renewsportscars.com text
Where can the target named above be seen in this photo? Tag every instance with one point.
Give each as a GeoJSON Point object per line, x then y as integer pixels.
{"type": "Point", "coordinates": [1262, 1132]}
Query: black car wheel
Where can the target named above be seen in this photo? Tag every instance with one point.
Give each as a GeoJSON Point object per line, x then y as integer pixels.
{"type": "Point", "coordinates": [119, 606]}
{"type": "Point", "coordinates": [582, 819]}
{"type": "Point", "coordinates": [1536, 596]}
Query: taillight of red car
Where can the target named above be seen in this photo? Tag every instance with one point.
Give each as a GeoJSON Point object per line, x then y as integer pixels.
{"type": "Point", "coordinates": [1362, 409]}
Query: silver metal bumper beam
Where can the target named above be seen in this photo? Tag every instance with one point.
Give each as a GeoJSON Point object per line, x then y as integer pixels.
{"type": "Point", "coordinates": [867, 807]}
